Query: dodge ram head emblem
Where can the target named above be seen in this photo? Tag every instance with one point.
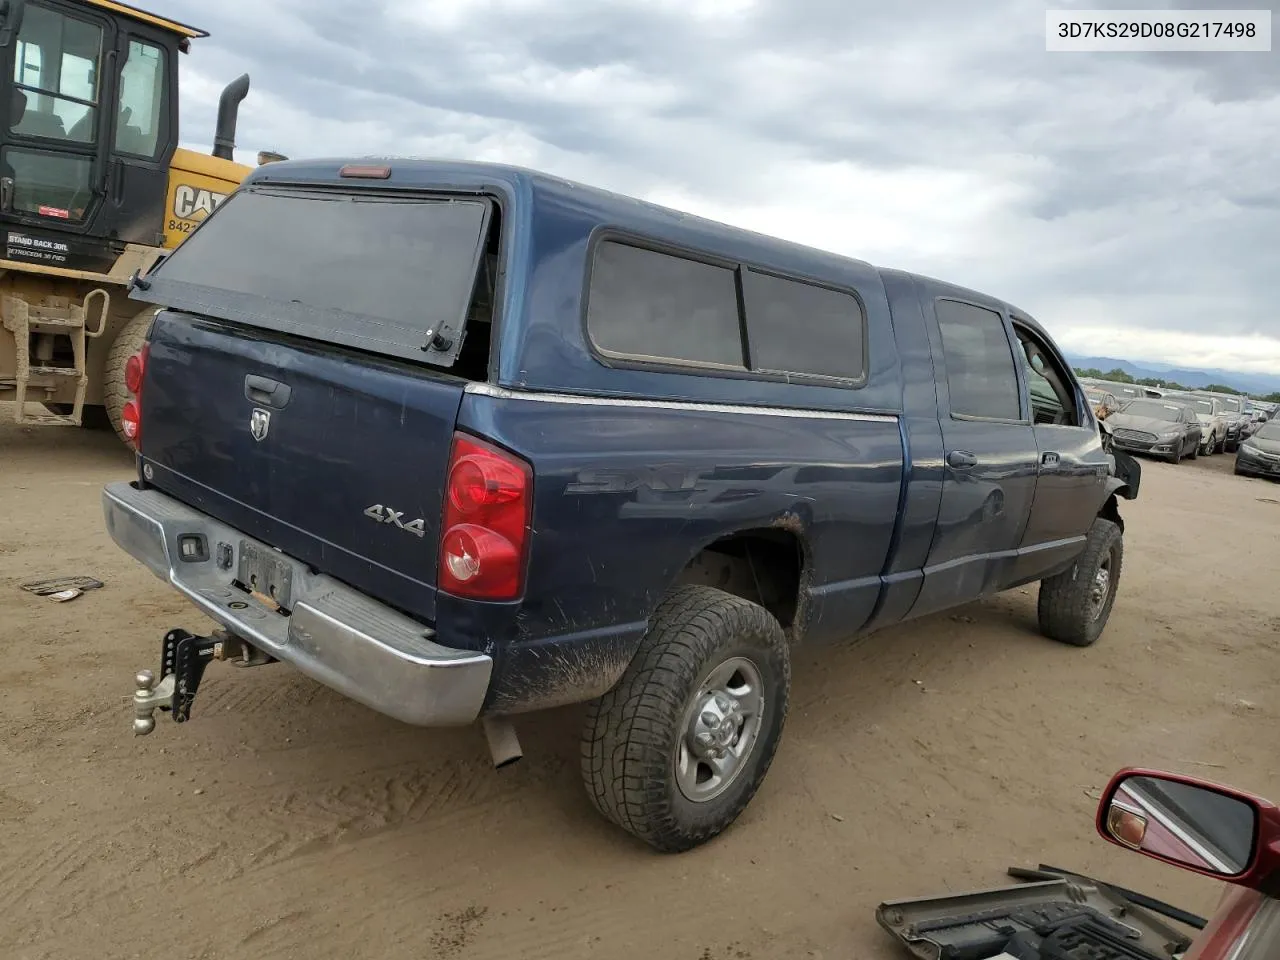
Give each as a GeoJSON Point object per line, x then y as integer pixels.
{"type": "Point", "coordinates": [259, 423]}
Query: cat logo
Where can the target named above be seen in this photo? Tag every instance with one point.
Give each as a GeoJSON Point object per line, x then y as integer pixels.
{"type": "Point", "coordinates": [195, 202]}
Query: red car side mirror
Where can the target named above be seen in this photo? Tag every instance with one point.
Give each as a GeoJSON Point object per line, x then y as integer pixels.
{"type": "Point", "coordinates": [1200, 826]}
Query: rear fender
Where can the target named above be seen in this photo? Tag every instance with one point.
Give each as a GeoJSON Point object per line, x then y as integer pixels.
{"type": "Point", "coordinates": [790, 601]}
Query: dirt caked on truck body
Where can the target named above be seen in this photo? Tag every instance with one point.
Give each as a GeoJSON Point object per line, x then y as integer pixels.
{"type": "Point", "coordinates": [463, 441]}
{"type": "Point", "coordinates": [93, 188]}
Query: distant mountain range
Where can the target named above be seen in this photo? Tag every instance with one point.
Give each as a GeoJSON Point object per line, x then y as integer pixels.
{"type": "Point", "coordinates": [1258, 383]}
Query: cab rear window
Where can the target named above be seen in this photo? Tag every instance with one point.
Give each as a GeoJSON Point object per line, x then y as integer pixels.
{"type": "Point", "coordinates": [392, 275]}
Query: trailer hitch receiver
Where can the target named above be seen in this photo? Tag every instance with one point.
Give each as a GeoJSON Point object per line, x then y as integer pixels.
{"type": "Point", "coordinates": [183, 658]}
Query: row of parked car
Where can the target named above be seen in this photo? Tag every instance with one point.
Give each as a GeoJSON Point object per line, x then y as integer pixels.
{"type": "Point", "coordinates": [1176, 424]}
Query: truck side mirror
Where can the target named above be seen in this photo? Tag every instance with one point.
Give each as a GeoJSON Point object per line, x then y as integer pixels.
{"type": "Point", "coordinates": [1199, 826]}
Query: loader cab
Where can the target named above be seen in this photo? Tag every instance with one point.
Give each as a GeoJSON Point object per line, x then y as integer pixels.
{"type": "Point", "coordinates": [88, 127]}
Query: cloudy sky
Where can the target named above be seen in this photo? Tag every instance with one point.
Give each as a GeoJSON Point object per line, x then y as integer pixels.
{"type": "Point", "coordinates": [1130, 201]}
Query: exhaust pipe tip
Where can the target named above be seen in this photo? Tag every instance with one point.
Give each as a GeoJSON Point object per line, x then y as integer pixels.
{"type": "Point", "coordinates": [224, 136]}
{"type": "Point", "coordinates": [504, 745]}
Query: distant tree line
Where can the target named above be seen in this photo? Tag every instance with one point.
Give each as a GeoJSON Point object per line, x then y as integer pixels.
{"type": "Point", "coordinates": [1119, 376]}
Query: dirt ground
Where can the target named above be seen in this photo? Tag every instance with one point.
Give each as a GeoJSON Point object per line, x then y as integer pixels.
{"type": "Point", "coordinates": [284, 821]}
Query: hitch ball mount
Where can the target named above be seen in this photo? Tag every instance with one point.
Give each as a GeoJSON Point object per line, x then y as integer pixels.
{"type": "Point", "coordinates": [183, 658]}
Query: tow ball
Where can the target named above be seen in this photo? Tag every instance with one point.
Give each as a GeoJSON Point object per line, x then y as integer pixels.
{"type": "Point", "coordinates": [183, 658]}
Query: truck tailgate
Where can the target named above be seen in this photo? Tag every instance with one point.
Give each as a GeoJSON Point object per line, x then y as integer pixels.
{"type": "Point", "coordinates": [333, 457]}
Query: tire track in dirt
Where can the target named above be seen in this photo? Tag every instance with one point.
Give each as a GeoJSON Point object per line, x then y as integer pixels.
{"type": "Point", "coordinates": [259, 831]}
{"type": "Point", "coordinates": [234, 690]}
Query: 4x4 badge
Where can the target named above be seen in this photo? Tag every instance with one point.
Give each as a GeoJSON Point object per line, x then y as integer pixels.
{"type": "Point", "coordinates": [259, 423]}
{"type": "Point", "coordinates": [386, 515]}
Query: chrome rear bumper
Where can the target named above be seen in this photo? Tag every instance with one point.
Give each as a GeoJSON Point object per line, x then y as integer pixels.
{"type": "Point", "coordinates": [333, 633]}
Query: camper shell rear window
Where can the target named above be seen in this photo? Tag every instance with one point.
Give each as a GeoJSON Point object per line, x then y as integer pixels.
{"type": "Point", "coordinates": [387, 273]}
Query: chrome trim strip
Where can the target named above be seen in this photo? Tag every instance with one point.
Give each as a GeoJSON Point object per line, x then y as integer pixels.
{"type": "Point", "coordinates": [697, 406]}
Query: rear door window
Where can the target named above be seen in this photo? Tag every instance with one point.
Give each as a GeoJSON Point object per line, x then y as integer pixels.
{"type": "Point", "coordinates": [393, 275]}
{"type": "Point", "coordinates": [981, 377]}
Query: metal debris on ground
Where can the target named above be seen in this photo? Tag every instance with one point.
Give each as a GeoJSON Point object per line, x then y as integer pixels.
{"type": "Point", "coordinates": [62, 589]}
{"type": "Point", "coordinates": [43, 588]}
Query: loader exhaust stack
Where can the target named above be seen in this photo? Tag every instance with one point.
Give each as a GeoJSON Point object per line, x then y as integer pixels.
{"type": "Point", "coordinates": [224, 136]}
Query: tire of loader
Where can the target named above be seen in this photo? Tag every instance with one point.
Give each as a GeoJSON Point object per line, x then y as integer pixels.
{"type": "Point", "coordinates": [127, 342]}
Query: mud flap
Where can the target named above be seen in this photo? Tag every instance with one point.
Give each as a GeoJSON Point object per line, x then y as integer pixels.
{"type": "Point", "coordinates": [1129, 472]}
{"type": "Point", "coordinates": [1126, 473]}
{"type": "Point", "coordinates": [1061, 919]}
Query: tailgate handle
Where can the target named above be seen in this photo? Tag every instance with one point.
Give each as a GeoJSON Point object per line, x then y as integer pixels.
{"type": "Point", "coordinates": [266, 392]}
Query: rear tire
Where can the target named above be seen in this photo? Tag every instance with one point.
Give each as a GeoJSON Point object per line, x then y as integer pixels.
{"type": "Point", "coordinates": [660, 751]}
{"type": "Point", "coordinates": [1195, 451]}
{"type": "Point", "coordinates": [127, 342]}
{"type": "Point", "coordinates": [1075, 605]}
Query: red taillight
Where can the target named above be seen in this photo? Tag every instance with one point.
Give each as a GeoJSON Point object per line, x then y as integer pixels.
{"type": "Point", "coordinates": [133, 374]}
{"type": "Point", "coordinates": [131, 421]}
{"type": "Point", "coordinates": [486, 522]}
{"type": "Point", "coordinates": [135, 369]}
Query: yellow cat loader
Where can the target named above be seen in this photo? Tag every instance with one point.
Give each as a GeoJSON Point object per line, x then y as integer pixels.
{"type": "Point", "coordinates": [93, 188]}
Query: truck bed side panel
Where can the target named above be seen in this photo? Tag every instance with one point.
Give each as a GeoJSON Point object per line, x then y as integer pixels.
{"type": "Point", "coordinates": [626, 494]}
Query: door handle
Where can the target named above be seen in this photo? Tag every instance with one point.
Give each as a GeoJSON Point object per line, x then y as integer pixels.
{"type": "Point", "coordinates": [961, 459]}
{"type": "Point", "coordinates": [1049, 458]}
{"type": "Point", "coordinates": [266, 392]}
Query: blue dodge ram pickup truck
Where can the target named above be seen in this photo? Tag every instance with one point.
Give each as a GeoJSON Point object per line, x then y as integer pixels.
{"type": "Point", "coordinates": [463, 441]}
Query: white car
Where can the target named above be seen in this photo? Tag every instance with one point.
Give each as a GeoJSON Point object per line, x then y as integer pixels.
{"type": "Point", "coordinates": [1213, 419]}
